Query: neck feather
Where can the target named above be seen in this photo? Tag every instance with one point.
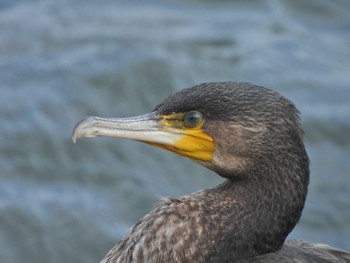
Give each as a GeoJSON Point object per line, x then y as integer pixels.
{"type": "Point", "coordinates": [259, 210]}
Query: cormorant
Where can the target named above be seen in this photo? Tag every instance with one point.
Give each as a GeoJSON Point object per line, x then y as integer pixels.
{"type": "Point", "coordinates": [247, 134]}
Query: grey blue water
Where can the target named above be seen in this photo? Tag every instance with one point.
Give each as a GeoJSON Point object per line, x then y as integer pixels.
{"type": "Point", "coordinates": [67, 59]}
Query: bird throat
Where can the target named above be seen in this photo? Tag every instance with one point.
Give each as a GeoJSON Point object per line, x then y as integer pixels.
{"type": "Point", "coordinates": [254, 219]}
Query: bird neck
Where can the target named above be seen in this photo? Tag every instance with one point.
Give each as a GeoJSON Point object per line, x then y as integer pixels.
{"type": "Point", "coordinates": [259, 210]}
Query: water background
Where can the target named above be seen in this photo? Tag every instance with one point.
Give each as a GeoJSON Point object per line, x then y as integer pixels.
{"type": "Point", "coordinates": [62, 60]}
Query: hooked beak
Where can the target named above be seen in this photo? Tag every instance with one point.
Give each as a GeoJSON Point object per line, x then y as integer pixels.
{"type": "Point", "coordinates": [150, 129]}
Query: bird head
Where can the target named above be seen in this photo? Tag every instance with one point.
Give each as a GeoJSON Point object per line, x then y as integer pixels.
{"type": "Point", "coordinates": [227, 127]}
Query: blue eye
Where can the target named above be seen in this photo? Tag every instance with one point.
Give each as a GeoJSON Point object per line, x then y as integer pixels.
{"type": "Point", "coordinates": [192, 119]}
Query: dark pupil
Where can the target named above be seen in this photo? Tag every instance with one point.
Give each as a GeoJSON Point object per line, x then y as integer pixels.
{"type": "Point", "coordinates": [192, 119]}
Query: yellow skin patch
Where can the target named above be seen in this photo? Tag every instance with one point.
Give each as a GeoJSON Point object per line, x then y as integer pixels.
{"type": "Point", "coordinates": [193, 143]}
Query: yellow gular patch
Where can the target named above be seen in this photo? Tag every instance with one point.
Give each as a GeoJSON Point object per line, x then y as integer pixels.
{"type": "Point", "coordinates": [193, 143]}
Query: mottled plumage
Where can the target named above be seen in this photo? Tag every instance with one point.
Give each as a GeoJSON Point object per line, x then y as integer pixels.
{"type": "Point", "coordinates": [259, 149]}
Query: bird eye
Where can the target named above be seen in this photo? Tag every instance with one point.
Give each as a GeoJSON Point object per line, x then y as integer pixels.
{"type": "Point", "coordinates": [192, 119]}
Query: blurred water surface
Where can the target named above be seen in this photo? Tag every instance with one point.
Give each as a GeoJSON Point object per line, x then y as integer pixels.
{"type": "Point", "coordinates": [63, 60]}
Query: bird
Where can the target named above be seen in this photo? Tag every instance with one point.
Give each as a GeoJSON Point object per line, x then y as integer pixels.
{"type": "Point", "coordinates": [249, 135]}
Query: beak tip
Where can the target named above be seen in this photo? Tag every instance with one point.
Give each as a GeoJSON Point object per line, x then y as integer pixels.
{"type": "Point", "coordinates": [75, 134]}
{"type": "Point", "coordinates": [79, 129]}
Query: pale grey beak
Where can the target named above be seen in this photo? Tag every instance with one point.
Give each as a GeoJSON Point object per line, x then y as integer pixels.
{"type": "Point", "coordinates": [145, 128]}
